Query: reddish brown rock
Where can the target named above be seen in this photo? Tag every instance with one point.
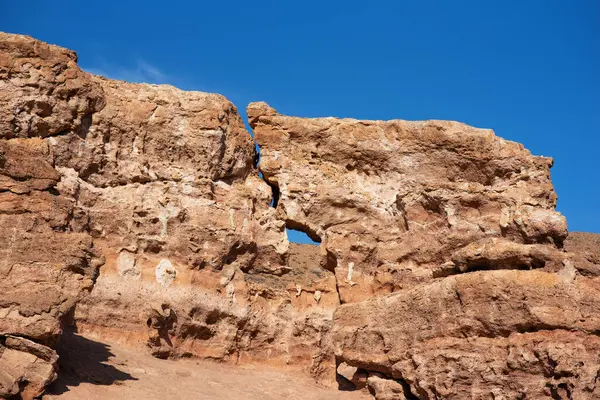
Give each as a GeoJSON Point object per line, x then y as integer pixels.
{"type": "Point", "coordinates": [196, 260]}
{"type": "Point", "coordinates": [383, 388]}
{"type": "Point", "coordinates": [456, 223]}
{"type": "Point", "coordinates": [445, 215]}
{"type": "Point", "coordinates": [197, 264]}
{"type": "Point", "coordinates": [42, 90]}
{"type": "Point", "coordinates": [46, 267]}
{"type": "Point", "coordinates": [26, 367]}
{"type": "Point", "coordinates": [586, 244]}
{"type": "Point", "coordinates": [391, 201]}
{"type": "Point", "coordinates": [450, 338]}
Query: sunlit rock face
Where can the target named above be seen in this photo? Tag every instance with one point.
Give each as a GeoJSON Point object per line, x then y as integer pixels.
{"type": "Point", "coordinates": [197, 264]}
{"type": "Point", "coordinates": [519, 334]}
{"type": "Point", "coordinates": [160, 185]}
{"type": "Point", "coordinates": [46, 266]}
{"type": "Point", "coordinates": [137, 213]}
{"type": "Point", "coordinates": [448, 256]}
{"type": "Point", "coordinates": [392, 201]}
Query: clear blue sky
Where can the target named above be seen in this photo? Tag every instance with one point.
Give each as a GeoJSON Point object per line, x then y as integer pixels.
{"type": "Point", "coordinates": [530, 70]}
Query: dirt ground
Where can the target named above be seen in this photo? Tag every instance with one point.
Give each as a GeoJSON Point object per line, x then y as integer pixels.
{"type": "Point", "coordinates": [93, 370]}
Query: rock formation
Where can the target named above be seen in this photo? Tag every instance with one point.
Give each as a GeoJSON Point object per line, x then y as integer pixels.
{"type": "Point", "coordinates": [441, 273]}
{"type": "Point", "coordinates": [46, 265]}
{"type": "Point", "coordinates": [459, 226]}
{"type": "Point", "coordinates": [393, 200]}
{"type": "Point", "coordinates": [585, 244]}
{"type": "Point", "coordinates": [164, 182]}
{"type": "Point", "coordinates": [197, 263]}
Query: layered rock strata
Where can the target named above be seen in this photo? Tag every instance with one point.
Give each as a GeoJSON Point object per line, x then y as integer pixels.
{"type": "Point", "coordinates": [197, 263]}
{"type": "Point", "coordinates": [440, 241]}
{"type": "Point", "coordinates": [164, 182]}
{"type": "Point", "coordinates": [391, 201]}
{"type": "Point", "coordinates": [47, 263]}
{"type": "Point", "coordinates": [448, 255]}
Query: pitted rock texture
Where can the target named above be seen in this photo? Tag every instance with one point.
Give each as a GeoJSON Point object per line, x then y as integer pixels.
{"type": "Point", "coordinates": [43, 91]}
{"type": "Point", "coordinates": [391, 201]}
{"type": "Point", "coordinates": [460, 226]}
{"type": "Point", "coordinates": [441, 240]}
{"type": "Point", "coordinates": [586, 244]}
{"type": "Point", "coordinates": [163, 180]}
{"type": "Point", "coordinates": [46, 264]}
{"type": "Point", "coordinates": [513, 334]}
{"type": "Point", "coordinates": [197, 262]}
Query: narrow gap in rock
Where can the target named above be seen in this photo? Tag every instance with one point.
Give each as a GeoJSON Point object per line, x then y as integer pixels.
{"type": "Point", "coordinates": [296, 232]}
{"type": "Point", "coordinates": [331, 264]}
{"type": "Point", "coordinates": [275, 191]}
{"type": "Point", "coordinates": [408, 394]}
{"type": "Point", "coordinates": [302, 231]}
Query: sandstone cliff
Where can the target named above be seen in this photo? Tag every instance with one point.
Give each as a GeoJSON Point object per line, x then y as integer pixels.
{"type": "Point", "coordinates": [442, 270]}
{"type": "Point", "coordinates": [459, 226]}
{"type": "Point", "coordinates": [164, 183]}
{"type": "Point", "coordinates": [45, 264]}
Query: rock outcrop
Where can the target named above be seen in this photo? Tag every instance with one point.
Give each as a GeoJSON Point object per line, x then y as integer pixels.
{"type": "Point", "coordinates": [442, 271]}
{"type": "Point", "coordinates": [197, 263]}
{"type": "Point", "coordinates": [164, 182]}
{"type": "Point", "coordinates": [391, 201]}
{"type": "Point", "coordinates": [513, 333]}
{"type": "Point", "coordinates": [448, 255]}
{"type": "Point", "coordinates": [586, 244]}
{"type": "Point", "coordinates": [46, 264]}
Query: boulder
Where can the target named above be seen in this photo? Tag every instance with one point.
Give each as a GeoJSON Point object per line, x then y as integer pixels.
{"type": "Point", "coordinates": [26, 367]}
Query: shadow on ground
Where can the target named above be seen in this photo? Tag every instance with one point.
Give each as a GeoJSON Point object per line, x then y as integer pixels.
{"type": "Point", "coordinates": [82, 361]}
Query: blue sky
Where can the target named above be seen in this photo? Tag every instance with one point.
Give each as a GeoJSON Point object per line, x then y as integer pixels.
{"type": "Point", "coordinates": [527, 69]}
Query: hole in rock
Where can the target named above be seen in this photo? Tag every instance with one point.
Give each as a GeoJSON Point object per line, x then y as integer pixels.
{"type": "Point", "coordinates": [296, 236]}
{"type": "Point", "coordinates": [295, 232]}
{"type": "Point", "coordinates": [298, 233]}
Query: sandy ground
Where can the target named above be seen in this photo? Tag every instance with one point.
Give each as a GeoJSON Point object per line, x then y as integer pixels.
{"type": "Point", "coordinates": [93, 370]}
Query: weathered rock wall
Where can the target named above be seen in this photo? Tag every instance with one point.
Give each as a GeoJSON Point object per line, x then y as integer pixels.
{"type": "Point", "coordinates": [441, 240]}
{"type": "Point", "coordinates": [197, 263]}
{"type": "Point", "coordinates": [161, 185]}
{"type": "Point", "coordinates": [393, 200]}
{"type": "Point", "coordinates": [460, 227]}
{"type": "Point", "coordinates": [46, 265]}
{"type": "Point", "coordinates": [586, 244]}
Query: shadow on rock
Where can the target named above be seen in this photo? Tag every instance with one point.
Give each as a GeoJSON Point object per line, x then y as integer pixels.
{"type": "Point", "coordinates": [82, 361]}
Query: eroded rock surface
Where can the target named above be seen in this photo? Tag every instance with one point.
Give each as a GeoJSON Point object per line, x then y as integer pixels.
{"type": "Point", "coordinates": [46, 264]}
{"type": "Point", "coordinates": [441, 240]}
{"type": "Point", "coordinates": [197, 262]}
{"type": "Point", "coordinates": [27, 367]}
{"type": "Point", "coordinates": [393, 200]}
{"type": "Point", "coordinates": [459, 225]}
{"type": "Point", "coordinates": [586, 244]}
{"type": "Point", "coordinates": [164, 182]}
{"type": "Point", "coordinates": [516, 334]}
